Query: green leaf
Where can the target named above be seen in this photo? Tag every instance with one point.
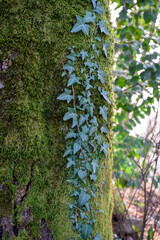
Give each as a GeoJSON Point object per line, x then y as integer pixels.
{"type": "Point", "coordinates": [98, 237]}
{"type": "Point", "coordinates": [72, 56]}
{"type": "Point", "coordinates": [76, 148]}
{"type": "Point", "coordinates": [82, 174]}
{"type": "Point", "coordinates": [86, 230]}
{"type": "Point", "coordinates": [102, 25]}
{"type": "Point", "coordinates": [94, 3]}
{"type": "Point", "coordinates": [104, 129]}
{"type": "Point", "coordinates": [93, 177]}
{"type": "Point", "coordinates": [150, 234]}
{"type": "Point", "coordinates": [70, 163]}
{"type": "Point", "coordinates": [94, 165]}
{"type": "Point", "coordinates": [83, 54]}
{"type": "Point", "coordinates": [103, 112]}
{"type": "Point", "coordinates": [67, 152]}
{"type": "Point", "coordinates": [89, 17]}
{"type": "Point", "coordinates": [104, 94]}
{"type": "Point", "coordinates": [92, 130]}
{"type": "Point", "coordinates": [104, 148]}
{"type": "Point", "coordinates": [99, 9]}
{"type": "Point", "coordinates": [101, 75]}
{"type": "Point", "coordinates": [73, 79]}
{"type": "Point", "coordinates": [69, 68]}
{"type": "Point", "coordinates": [66, 96]}
{"type": "Point", "coordinates": [83, 198]}
{"type": "Point", "coordinates": [69, 115]}
{"type": "Point", "coordinates": [105, 47]}
{"type": "Point", "coordinates": [80, 26]}
{"type": "Point", "coordinates": [82, 119]}
{"type": "Point", "coordinates": [70, 135]}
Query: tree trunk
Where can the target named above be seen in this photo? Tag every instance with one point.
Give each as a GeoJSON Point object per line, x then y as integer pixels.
{"type": "Point", "coordinates": [35, 36]}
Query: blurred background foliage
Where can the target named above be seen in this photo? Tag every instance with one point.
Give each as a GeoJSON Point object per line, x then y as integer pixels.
{"type": "Point", "coordinates": [137, 92]}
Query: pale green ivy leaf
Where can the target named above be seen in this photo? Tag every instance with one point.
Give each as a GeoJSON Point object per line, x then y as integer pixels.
{"type": "Point", "coordinates": [69, 115]}
{"type": "Point", "coordinates": [73, 79]}
{"type": "Point", "coordinates": [89, 17]}
{"type": "Point", "coordinates": [101, 75]}
{"type": "Point", "coordinates": [105, 47]}
{"type": "Point", "coordinates": [65, 97]}
{"type": "Point", "coordinates": [98, 237]}
{"type": "Point", "coordinates": [104, 148]}
{"type": "Point", "coordinates": [80, 26]}
{"type": "Point", "coordinates": [104, 129]}
{"type": "Point", "coordinates": [99, 9]}
{"type": "Point", "coordinates": [104, 94]}
{"type": "Point", "coordinates": [94, 3]}
{"type": "Point", "coordinates": [82, 174]}
{"type": "Point", "coordinates": [72, 55]}
{"type": "Point", "coordinates": [95, 165]}
{"type": "Point", "coordinates": [69, 68]}
{"type": "Point", "coordinates": [83, 54]}
{"type": "Point", "coordinates": [76, 148]}
{"type": "Point", "coordinates": [67, 152]}
{"type": "Point", "coordinates": [83, 198]}
{"type": "Point", "coordinates": [86, 230]}
{"type": "Point", "coordinates": [102, 25]}
{"type": "Point", "coordinates": [103, 112]}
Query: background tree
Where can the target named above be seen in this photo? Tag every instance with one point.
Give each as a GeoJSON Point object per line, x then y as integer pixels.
{"type": "Point", "coordinates": [35, 37]}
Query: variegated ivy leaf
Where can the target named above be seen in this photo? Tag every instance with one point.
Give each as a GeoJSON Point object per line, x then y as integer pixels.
{"type": "Point", "coordinates": [71, 135]}
{"type": "Point", "coordinates": [103, 112]}
{"type": "Point", "coordinates": [73, 79]}
{"type": "Point", "coordinates": [66, 96]}
{"type": "Point", "coordinates": [102, 25]}
{"type": "Point", "coordinates": [80, 26]}
{"type": "Point", "coordinates": [99, 9]}
{"type": "Point", "coordinates": [89, 17]}
{"type": "Point", "coordinates": [105, 47]}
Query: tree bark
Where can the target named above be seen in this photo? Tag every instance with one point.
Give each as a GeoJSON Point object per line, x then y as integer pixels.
{"type": "Point", "coordinates": [35, 37]}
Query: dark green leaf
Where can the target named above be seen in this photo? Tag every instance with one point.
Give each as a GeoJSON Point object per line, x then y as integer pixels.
{"type": "Point", "coordinates": [83, 198]}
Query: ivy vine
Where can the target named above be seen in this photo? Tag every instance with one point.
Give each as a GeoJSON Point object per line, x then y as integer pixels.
{"type": "Point", "coordinates": [86, 138]}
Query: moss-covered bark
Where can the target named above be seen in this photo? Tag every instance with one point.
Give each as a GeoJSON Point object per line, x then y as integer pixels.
{"type": "Point", "coordinates": [35, 36]}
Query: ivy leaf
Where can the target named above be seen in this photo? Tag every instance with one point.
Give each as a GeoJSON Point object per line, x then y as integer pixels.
{"type": "Point", "coordinates": [67, 152]}
{"type": "Point", "coordinates": [104, 148]}
{"type": "Point", "coordinates": [94, 165]}
{"type": "Point", "coordinates": [69, 68]}
{"type": "Point", "coordinates": [82, 119]}
{"type": "Point", "coordinates": [65, 97]}
{"type": "Point", "coordinates": [72, 56]}
{"type": "Point", "coordinates": [94, 3]}
{"type": "Point", "coordinates": [70, 163]}
{"type": "Point", "coordinates": [99, 9]}
{"type": "Point", "coordinates": [102, 25]}
{"type": "Point", "coordinates": [89, 17]}
{"type": "Point", "coordinates": [83, 54]}
{"type": "Point", "coordinates": [76, 148]}
{"type": "Point", "coordinates": [92, 130]}
{"type": "Point", "coordinates": [70, 135]}
{"type": "Point", "coordinates": [103, 112]}
{"type": "Point", "coordinates": [98, 39]}
{"type": "Point", "coordinates": [75, 122]}
{"type": "Point", "coordinates": [82, 174]}
{"type": "Point", "coordinates": [88, 166]}
{"type": "Point", "coordinates": [86, 230]}
{"type": "Point", "coordinates": [104, 129]}
{"type": "Point", "coordinates": [93, 177]}
{"type": "Point", "coordinates": [105, 47]}
{"type": "Point", "coordinates": [69, 115]}
{"type": "Point", "coordinates": [83, 198]}
{"type": "Point", "coordinates": [98, 237]}
{"type": "Point", "coordinates": [101, 75]}
{"type": "Point", "coordinates": [73, 79]}
{"type": "Point", "coordinates": [80, 26]}
{"type": "Point", "coordinates": [104, 94]}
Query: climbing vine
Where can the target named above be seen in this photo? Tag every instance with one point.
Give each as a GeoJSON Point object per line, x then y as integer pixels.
{"type": "Point", "coordinates": [86, 138]}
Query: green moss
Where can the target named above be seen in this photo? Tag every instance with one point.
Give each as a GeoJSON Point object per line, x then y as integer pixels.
{"type": "Point", "coordinates": [31, 142]}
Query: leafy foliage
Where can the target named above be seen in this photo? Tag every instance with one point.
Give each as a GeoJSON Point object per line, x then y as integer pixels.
{"type": "Point", "coordinates": [86, 138]}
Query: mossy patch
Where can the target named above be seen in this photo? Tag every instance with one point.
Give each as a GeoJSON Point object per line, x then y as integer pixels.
{"type": "Point", "coordinates": [35, 36]}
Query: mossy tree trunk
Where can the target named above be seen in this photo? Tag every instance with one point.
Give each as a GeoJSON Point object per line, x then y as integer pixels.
{"type": "Point", "coordinates": [35, 36]}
